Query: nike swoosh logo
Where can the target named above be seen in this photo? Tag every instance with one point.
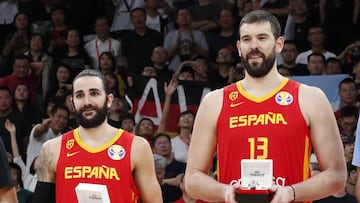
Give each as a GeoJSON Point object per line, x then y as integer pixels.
{"type": "Point", "coordinates": [69, 154]}
{"type": "Point", "coordinates": [235, 104]}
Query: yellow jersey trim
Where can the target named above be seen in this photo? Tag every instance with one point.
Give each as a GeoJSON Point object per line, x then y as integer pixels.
{"type": "Point", "coordinates": [258, 100]}
{"type": "Point", "coordinates": [98, 149]}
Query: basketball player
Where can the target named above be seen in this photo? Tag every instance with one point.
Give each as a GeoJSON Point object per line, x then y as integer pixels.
{"type": "Point", "coordinates": [265, 116]}
{"type": "Point", "coordinates": [96, 153]}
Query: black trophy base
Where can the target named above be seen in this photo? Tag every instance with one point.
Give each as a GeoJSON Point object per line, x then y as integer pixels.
{"type": "Point", "coordinates": [252, 196]}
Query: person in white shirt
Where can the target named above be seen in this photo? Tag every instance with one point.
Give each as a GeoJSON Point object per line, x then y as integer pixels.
{"type": "Point", "coordinates": [102, 42]}
{"type": "Point", "coordinates": [316, 37]}
{"type": "Point", "coordinates": [48, 129]}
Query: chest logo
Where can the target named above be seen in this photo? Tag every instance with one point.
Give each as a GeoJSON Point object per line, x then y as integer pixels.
{"type": "Point", "coordinates": [284, 98]}
{"type": "Point", "coordinates": [116, 152]}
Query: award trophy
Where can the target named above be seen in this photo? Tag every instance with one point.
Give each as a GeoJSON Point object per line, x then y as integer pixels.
{"type": "Point", "coordinates": [256, 179]}
{"type": "Point", "coordinates": [92, 193]}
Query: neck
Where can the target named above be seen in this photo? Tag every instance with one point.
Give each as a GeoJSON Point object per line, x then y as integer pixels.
{"type": "Point", "coordinates": [35, 53]}
{"type": "Point", "coordinates": [227, 32]}
{"type": "Point", "coordinates": [103, 38]}
{"type": "Point", "coordinates": [289, 64]}
{"type": "Point", "coordinates": [141, 31]}
{"type": "Point", "coordinates": [186, 28]}
{"type": "Point", "coordinates": [97, 136]}
{"type": "Point", "coordinates": [299, 18]}
{"type": "Point", "coordinates": [20, 105]}
{"type": "Point", "coordinates": [72, 50]}
{"type": "Point", "coordinates": [318, 48]}
{"type": "Point", "coordinates": [5, 112]}
{"type": "Point", "coordinates": [259, 87]}
{"type": "Point", "coordinates": [152, 12]}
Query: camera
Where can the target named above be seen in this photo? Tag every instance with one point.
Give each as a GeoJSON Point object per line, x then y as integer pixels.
{"type": "Point", "coordinates": [355, 49]}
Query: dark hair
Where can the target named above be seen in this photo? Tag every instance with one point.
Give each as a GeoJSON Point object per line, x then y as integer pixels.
{"type": "Point", "coordinates": [260, 16]}
{"type": "Point", "coordinates": [102, 18]}
{"type": "Point", "coordinates": [184, 113]}
{"type": "Point", "coordinates": [333, 60]}
{"type": "Point", "coordinates": [316, 54]}
{"type": "Point", "coordinates": [18, 171]}
{"type": "Point", "coordinates": [28, 104]}
{"type": "Point", "coordinates": [126, 116]}
{"type": "Point", "coordinates": [116, 91]}
{"type": "Point", "coordinates": [347, 81]}
{"type": "Point", "coordinates": [349, 111]}
{"type": "Point", "coordinates": [157, 135]}
{"type": "Point", "coordinates": [58, 7]}
{"type": "Point", "coordinates": [94, 73]}
{"type": "Point", "coordinates": [4, 88]}
{"type": "Point", "coordinates": [35, 34]}
{"type": "Point", "coordinates": [112, 58]}
{"type": "Point", "coordinates": [20, 57]}
{"type": "Point", "coordinates": [138, 9]}
{"type": "Point", "coordinates": [143, 119]}
{"type": "Point", "coordinates": [57, 107]}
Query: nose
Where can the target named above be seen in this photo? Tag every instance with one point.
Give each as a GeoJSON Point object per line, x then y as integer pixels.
{"type": "Point", "coordinates": [254, 44]}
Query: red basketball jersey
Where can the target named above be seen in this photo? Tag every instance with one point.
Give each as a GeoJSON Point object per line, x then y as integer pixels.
{"type": "Point", "coordinates": [271, 127]}
{"type": "Point", "coordinates": [108, 165]}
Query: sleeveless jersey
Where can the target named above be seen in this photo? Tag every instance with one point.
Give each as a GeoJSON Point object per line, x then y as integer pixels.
{"type": "Point", "coordinates": [271, 127]}
{"type": "Point", "coordinates": [108, 165]}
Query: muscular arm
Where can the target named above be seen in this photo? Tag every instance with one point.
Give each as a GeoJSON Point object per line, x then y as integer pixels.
{"type": "Point", "coordinates": [201, 152]}
{"type": "Point", "coordinates": [144, 171]}
{"type": "Point", "coordinates": [326, 142]}
{"type": "Point", "coordinates": [45, 171]}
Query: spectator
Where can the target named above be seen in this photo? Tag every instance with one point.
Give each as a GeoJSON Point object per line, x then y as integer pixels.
{"type": "Point", "coordinates": [56, 33]}
{"type": "Point", "coordinates": [159, 59]}
{"type": "Point", "coordinates": [49, 128]}
{"type": "Point", "coordinates": [348, 93]}
{"type": "Point", "coordinates": [316, 37]}
{"type": "Point", "coordinates": [22, 125]}
{"type": "Point", "coordinates": [333, 66]}
{"type": "Point", "coordinates": [73, 53]}
{"type": "Point", "coordinates": [23, 195]}
{"type": "Point", "coordinates": [60, 81]}
{"type": "Point", "coordinates": [299, 21]}
{"type": "Point", "coordinates": [219, 76]}
{"type": "Point", "coordinates": [102, 42]}
{"type": "Point", "coordinates": [22, 104]}
{"type": "Point", "coordinates": [17, 42]}
{"type": "Point", "coordinates": [351, 181]}
{"type": "Point", "coordinates": [347, 120]}
{"type": "Point", "coordinates": [156, 20]}
{"type": "Point", "coordinates": [29, 179]}
{"type": "Point", "coordinates": [22, 74]}
{"type": "Point", "coordinates": [7, 185]}
{"type": "Point", "coordinates": [139, 43]}
{"type": "Point", "coordinates": [316, 63]}
{"type": "Point", "coordinates": [107, 65]}
{"type": "Point", "coordinates": [184, 43]}
{"type": "Point", "coordinates": [204, 15]}
{"type": "Point", "coordinates": [8, 10]}
{"type": "Point", "coordinates": [121, 23]}
{"type": "Point", "coordinates": [146, 129]}
{"type": "Point", "coordinates": [279, 8]}
{"type": "Point", "coordinates": [350, 56]}
{"type": "Point", "coordinates": [41, 63]}
{"type": "Point", "coordinates": [337, 16]}
{"type": "Point", "coordinates": [127, 122]}
{"type": "Point", "coordinates": [174, 170]}
{"type": "Point", "coordinates": [289, 54]}
{"type": "Point", "coordinates": [226, 37]}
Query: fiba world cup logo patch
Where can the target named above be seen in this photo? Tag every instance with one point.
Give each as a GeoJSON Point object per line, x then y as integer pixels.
{"type": "Point", "coordinates": [116, 152]}
{"type": "Point", "coordinates": [284, 98]}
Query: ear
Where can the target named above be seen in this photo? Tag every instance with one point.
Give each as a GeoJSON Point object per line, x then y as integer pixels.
{"type": "Point", "coordinates": [238, 47]}
{"type": "Point", "coordinates": [72, 102]}
{"type": "Point", "coordinates": [110, 99]}
{"type": "Point", "coordinates": [279, 44]}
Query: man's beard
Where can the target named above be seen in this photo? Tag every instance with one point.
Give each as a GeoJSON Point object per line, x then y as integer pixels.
{"type": "Point", "coordinates": [98, 119]}
{"type": "Point", "coordinates": [257, 70]}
